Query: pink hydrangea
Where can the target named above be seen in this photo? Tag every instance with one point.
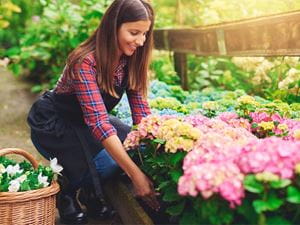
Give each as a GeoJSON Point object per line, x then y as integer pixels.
{"type": "Point", "coordinates": [233, 120]}
{"type": "Point", "coordinates": [270, 155]}
{"type": "Point", "coordinates": [258, 117]}
{"type": "Point", "coordinates": [293, 126]}
{"type": "Point", "coordinates": [213, 177]}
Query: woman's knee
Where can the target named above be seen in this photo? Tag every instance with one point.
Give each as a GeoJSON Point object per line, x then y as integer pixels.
{"type": "Point", "coordinates": [106, 166]}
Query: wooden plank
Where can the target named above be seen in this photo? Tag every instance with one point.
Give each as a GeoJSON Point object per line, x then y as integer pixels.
{"type": "Point", "coordinates": [274, 35]}
{"type": "Point", "coordinates": [123, 201]}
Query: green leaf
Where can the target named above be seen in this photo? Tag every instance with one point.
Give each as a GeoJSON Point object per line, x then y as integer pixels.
{"type": "Point", "coordinates": [291, 85]}
{"type": "Point", "coordinates": [171, 194]}
{"type": "Point", "coordinates": [159, 159]}
{"type": "Point", "coordinates": [176, 209]}
{"type": "Point", "coordinates": [272, 203]}
{"type": "Point", "coordinates": [260, 206]}
{"type": "Point", "coordinates": [252, 185]}
{"type": "Point", "coordinates": [177, 157]}
{"type": "Point", "coordinates": [159, 141]}
{"type": "Point", "coordinates": [247, 210]}
{"type": "Point", "coordinates": [175, 174]}
{"type": "Point", "coordinates": [276, 220]}
{"type": "Point", "coordinates": [16, 69]}
{"type": "Point", "coordinates": [25, 186]}
{"type": "Point", "coordinates": [280, 183]}
{"type": "Point", "coordinates": [188, 218]}
{"type": "Point", "coordinates": [293, 195]}
{"type": "Point", "coordinates": [13, 51]}
{"type": "Point", "coordinates": [37, 88]}
{"type": "Point", "coordinates": [93, 14]}
{"type": "Point", "coordinates": [164, 184]}
{"type": "Point", "coordinates": [74, 42]}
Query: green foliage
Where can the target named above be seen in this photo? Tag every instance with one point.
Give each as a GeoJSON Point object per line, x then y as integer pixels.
{"type": "Point", "coordinates": [270, 78]}
{"type": "Point", "coordinates": [271, 203]}
{"type": "Point", "coordinates": [7, 8]}
{"type": "Point", "coordinates": [162, 66]}
{"type": "Point", "coordinates": [293, 195]}
{"type": "Point", "coordinates": [26, 11]}
{"type": "Point", "coordinates": [49, 39]}
{"type": "Point", "coordinates": [252, 185]}
{"type": "Point", "coordinates": [196, 13]}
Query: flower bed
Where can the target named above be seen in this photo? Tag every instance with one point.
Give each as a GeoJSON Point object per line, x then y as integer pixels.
{"type": "Point", "coordinates": [199, 164]}
{"type": "Point", "coordinates": [239, 166]}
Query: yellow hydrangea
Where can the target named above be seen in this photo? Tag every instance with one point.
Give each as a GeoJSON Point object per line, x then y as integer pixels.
{"type": "Point", "coordinates": [267, 125]}
{"type": "Point", "coordinates": [178, 135]}
{"type": "Point", "coordinates": [179, 143]}
{"type": "Point", "coordinates": [247, 99]}
{"type": "Point", "coordinates": [210, 105]}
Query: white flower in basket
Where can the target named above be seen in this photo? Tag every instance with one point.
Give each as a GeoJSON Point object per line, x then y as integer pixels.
{"type": "Point", "coordinates": [55, 166]}
{"type": "Point", "coordinates": [43, 180]}
{"type": "Point", "coordinates": [12, 170]}
{"type": "Point", "coordinates": [24, 177]}
{"type": "Point", "coordinates": [14, 185]}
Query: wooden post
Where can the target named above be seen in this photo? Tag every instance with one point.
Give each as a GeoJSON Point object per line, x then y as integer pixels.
{"type": "Point", "coordinates": [180, 63]}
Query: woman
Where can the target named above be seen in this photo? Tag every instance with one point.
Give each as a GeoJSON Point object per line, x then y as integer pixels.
{"type": "Point", "coordinates": [71, 122]}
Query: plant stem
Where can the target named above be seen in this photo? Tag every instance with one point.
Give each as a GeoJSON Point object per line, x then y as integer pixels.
{"type": "Point", "coordinates": [262, 219]}
{"type": "Point", "coordinates": [140, 156]}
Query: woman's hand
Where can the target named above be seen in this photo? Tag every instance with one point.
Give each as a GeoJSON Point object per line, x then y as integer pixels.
{"type": "Point", "coordinates": [144, 189]}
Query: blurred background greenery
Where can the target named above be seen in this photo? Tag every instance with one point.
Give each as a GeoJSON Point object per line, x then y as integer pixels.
{"type": "Point", "coordinates": [37, 36]}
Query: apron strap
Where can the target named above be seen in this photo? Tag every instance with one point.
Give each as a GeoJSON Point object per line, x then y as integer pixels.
{"type": "Point", "coordinates": [90, 162]}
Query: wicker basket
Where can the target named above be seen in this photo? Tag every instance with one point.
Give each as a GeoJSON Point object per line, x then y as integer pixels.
{"type": "Point", "coordinates": [28, 207]}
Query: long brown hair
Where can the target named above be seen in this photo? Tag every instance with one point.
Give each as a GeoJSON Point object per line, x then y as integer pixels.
{"type": "Point", "coordinates": [103, 43]}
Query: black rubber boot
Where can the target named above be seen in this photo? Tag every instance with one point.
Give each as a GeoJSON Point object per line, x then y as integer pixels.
{"type": "Point", "coordinates": [69, 210]}
{"type": "Point", "coordinates": [97, 208]}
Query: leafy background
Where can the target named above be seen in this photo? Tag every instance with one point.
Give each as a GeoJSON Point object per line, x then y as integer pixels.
{"type": "Point", "coordinates": [38, 36]}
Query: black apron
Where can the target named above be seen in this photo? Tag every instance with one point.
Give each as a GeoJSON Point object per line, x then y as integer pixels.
{"type": "Point", "coordinates": [56, 120]}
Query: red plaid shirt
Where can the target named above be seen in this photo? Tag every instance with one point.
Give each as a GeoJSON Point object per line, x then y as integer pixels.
{"type": "Point", "coordinates": [90, 99]}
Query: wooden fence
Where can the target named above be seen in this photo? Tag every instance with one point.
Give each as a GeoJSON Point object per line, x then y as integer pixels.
{"type": "Point", "coordinates": [274, 35]}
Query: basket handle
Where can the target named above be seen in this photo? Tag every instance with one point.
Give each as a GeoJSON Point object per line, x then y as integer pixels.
{"type": "Point", "coordinates": [18, 151]}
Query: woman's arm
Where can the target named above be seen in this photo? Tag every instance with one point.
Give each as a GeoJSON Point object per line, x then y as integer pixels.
{"type": "Point", "coordinates": [138, 105]}
{"type": "Point", "coordinates": [143, 186]}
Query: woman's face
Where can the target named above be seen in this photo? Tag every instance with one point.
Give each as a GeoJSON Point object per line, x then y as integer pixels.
{"type": "Point", "coordinates": [132, 35]}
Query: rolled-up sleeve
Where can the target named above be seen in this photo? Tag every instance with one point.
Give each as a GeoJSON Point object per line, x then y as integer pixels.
{"type": "Point", "coordinates": [138, 105]}
{"type": "Point", "coordinates": [88, 94]}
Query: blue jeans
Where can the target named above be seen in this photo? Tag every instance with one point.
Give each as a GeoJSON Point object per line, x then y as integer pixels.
{"type": "Point", "coordinates": [106, 166]}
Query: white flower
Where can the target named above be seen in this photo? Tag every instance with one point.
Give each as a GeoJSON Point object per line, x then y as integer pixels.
{"type": "Point", "coordinates": [14, 186]}
{"type": "Point", "coordinates": [291, 61]}
{"type": "Point", "coordinates": [43, 180]}
{"type": "Point", "coordinates": [2, 168]}
{"type": "Point", "coordinates": [22, 178]}
{"type": "Point", "coordinates": [55, 167]}
{"type": "Point", "coordinates": [12, 170]}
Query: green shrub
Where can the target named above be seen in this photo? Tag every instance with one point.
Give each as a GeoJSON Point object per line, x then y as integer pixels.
{"type": "Point", "coordinates": [50, 37]}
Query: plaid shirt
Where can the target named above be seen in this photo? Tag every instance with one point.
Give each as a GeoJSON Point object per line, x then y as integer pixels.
{"type": "Point", "coordinates": [90, 99]}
